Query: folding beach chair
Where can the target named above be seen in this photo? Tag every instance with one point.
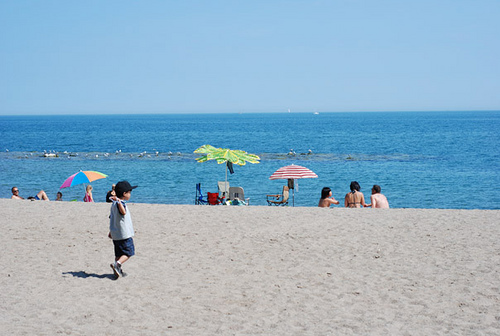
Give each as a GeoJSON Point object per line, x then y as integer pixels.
{"type": "Point", "coordinates": [223, 189]}
{"type": "Point", "coordinates": [238, 193]}
{"type": "Point", "coordinates": [275, 199]}
{"type": "Point", "coordinates": [213, 198]}
{"type": "Point", "coordinates": [199, 200]}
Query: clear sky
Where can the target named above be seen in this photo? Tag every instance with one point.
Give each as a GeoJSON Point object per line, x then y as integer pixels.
{"type": "Point", "coordinates": [107, 56]}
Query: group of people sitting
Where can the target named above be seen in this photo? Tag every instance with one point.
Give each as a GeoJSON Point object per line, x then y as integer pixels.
{"type": "Point", "coordinates": [42, 195]}
{"type": "Point", "coordinates": [355, 198]}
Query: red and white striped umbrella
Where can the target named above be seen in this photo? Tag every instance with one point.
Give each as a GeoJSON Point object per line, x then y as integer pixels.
{"type": "Point", "coordinates": [293, 172]}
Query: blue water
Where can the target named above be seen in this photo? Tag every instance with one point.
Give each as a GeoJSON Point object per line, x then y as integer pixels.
{"type": "Point", "coordinates": [420, 159]}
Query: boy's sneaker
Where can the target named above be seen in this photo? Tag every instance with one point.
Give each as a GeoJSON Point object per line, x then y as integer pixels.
{"type": "Point", "coordinates": [120, 270]}
{"type": "Point", "coordinates": [117, 270]}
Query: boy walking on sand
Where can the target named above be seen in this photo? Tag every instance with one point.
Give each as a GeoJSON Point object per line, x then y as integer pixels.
{"type": "Point", "coordinates": [121, 229]}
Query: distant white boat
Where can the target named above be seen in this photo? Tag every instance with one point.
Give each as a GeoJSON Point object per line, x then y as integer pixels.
{"type": "Point", "coordinates": [316, 112]}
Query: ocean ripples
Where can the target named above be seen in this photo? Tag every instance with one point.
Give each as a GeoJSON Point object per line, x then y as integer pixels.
{"type": "Point", "coordinates": [421, 160]}
{"type": "Point", "coordinates": [179, 156]}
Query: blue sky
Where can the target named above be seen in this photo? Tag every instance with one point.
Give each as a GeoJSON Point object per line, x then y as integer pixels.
{"type": "Point", "coordinates": [96, 57]}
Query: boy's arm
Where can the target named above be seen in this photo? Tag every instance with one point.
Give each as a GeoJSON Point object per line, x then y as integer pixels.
{"type": "Point", "coordinates": [121, 208]}
{"type": "Point", "coordinates": [119, 204]}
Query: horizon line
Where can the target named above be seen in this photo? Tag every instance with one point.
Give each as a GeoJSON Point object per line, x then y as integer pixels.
{"type": "Point", "coordinates": [241, 112]}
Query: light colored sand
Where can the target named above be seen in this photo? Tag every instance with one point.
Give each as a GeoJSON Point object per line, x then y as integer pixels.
{"type": "Point", "coordinates": [203, 270]}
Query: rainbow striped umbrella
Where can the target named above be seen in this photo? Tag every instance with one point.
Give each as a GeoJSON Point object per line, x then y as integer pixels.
{"type": "Point", "coordinates": [82, 177]}
{"type": "Point", "coordinates": [291, 173]}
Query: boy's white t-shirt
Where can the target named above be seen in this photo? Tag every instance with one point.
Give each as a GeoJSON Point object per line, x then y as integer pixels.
{"type": "Point", "coordinates": [120, 226]}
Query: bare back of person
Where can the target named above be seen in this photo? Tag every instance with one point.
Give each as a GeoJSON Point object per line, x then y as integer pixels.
{"type": "Point", "coordinates": [379, 201]}
{"type": "Point", "coordinates": [354, 200]}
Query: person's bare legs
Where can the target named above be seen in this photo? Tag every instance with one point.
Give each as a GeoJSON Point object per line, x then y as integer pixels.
{"type": "Point", "coordinates": [117, 266]}
{"type": "Point", "coordinates": [122, 259]}
{"type": "Point", "coordinates": [42, 196]}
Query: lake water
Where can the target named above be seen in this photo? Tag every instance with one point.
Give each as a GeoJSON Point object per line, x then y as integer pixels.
{"type": "Point", "coordinates": [420, 159]}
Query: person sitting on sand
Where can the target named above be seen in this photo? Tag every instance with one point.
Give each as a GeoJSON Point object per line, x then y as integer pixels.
{"type": "Point", "coordinates": [378, 200]}
{"type": "Point", "coordinates": [88, 194]}
{"type": "Point", "coordinates": [354, 199]}
{"type": "Point", "coordinates": [111, 193]}
{"type": "Point", "coordinates": [59, 196]}
{"type": "Point", "coordinates": [40, 196]}
{"type": "Point", "coordinates": [326, 198]}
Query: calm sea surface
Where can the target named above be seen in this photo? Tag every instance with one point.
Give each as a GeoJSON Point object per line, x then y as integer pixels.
{"type": "Point", "coordinates": [421, 160]}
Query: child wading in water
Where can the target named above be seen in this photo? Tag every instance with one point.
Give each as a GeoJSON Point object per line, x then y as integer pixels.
{"type": "Point", "coordinates": [121, 229]}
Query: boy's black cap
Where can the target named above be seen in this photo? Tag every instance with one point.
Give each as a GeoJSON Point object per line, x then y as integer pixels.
{"type": "Point", "coordinates": [123, 186]}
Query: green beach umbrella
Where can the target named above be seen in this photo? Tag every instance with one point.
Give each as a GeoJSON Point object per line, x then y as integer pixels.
{"type": "Point", "coordinates": [222, 155]}
{"type": "Point", "coordinates": [225, 155]}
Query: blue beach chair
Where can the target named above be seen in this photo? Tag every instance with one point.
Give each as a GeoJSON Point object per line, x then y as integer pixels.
{"type": "Point", "coordinates": [199, 200]}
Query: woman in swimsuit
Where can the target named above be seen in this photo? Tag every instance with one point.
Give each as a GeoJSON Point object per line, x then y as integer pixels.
{"type": "Point", "coordinates": [355, 199]}
{"type": "Point", "coordinates": [327, 198]}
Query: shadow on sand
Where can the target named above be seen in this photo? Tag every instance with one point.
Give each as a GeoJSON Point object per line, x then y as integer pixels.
{"type": "Point", "coordinates": [85, 275]}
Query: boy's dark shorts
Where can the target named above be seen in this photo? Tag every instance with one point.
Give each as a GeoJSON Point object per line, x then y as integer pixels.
{"type": "Point", "coordinates": [124, 247]}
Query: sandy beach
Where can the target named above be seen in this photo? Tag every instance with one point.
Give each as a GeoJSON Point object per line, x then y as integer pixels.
{"type": "Point", "coordinates": [202, 270]}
